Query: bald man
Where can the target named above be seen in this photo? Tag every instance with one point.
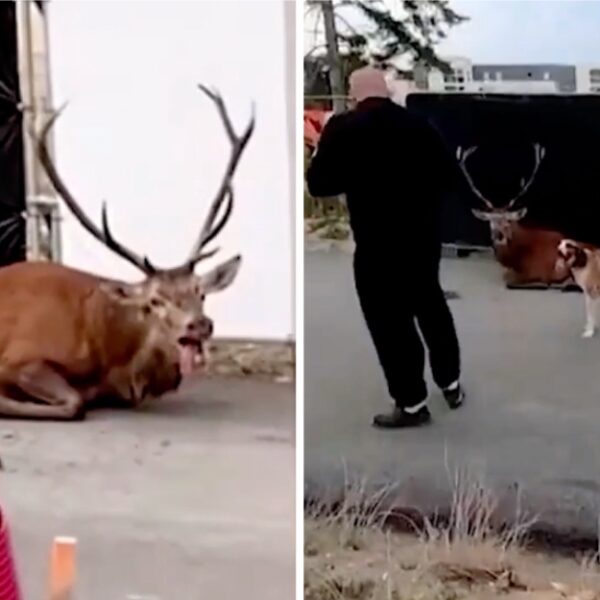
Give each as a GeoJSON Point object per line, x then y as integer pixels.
{"type": "Point", "coordinates": [394, 170]}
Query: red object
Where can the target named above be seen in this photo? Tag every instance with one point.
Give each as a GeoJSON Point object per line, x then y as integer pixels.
{"type": "Point", "coordinates": [314, 121]}
{"type": "Point", "coordinates": [9, 587]}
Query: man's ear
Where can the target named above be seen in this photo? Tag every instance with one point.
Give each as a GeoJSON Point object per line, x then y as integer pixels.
{"type": "Point", "coordinates": [221, 277]}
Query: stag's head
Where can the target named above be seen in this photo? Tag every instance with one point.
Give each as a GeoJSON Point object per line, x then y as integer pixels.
{"type": "Point", "coordinates": [176, 295]}
{"type": "Point", "coordinates": [501, 220]}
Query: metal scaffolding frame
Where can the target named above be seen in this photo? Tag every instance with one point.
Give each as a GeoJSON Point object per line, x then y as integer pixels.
{"type": "Point", "coordinates": [43, 236]}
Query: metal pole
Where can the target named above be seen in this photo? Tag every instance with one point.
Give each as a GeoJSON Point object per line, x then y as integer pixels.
{"type": "Point", "coordinates": [26, 80]}
{"type": "Point", "coordinates": [46, 104]}
{"type": "Point", "coordinates": [289, 8]}
{"type": "Point", "coordinates": [336, 79]}
{"type": "Point", "coordinates": [27, 104]}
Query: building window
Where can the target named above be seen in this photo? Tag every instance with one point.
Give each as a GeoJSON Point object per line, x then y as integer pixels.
{"type": "Point", "coordinates": [455, 77]}
{"type": "Point", "coordinates": [595, 76]}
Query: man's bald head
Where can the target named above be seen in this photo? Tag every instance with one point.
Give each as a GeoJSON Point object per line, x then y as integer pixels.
{"type": "Point", "coordinates": [368, 82]}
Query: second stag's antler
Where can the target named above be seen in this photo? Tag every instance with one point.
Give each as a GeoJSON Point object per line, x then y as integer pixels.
{"type": "Point", "coordinates": [211, 227]}
{"type": "Point", "coordinates": [463, 155]}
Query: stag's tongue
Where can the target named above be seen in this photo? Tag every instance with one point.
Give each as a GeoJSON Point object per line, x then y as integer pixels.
{"type": "Point", "coordinates": [187, 358]}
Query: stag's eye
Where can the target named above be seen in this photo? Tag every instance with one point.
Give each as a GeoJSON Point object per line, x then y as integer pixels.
{"type": "Point", "coordinates": [156, 302]}
{"type": "Point", "coordinates": [198, 293]}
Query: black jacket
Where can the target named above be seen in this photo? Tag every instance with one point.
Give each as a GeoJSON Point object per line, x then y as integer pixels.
{"type": "Point", "coordinates": [393, 168]}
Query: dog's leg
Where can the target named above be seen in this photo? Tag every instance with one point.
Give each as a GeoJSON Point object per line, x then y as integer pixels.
{"type": "Point", "coordinates": [591, 308]}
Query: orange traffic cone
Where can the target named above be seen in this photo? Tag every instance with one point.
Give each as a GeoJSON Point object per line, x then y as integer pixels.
{"type": "Point", "coordinates": [62, 568]}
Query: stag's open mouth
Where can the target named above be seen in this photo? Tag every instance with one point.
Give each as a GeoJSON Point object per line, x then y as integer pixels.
{"type": "Point", "coordinates": [191, 354]}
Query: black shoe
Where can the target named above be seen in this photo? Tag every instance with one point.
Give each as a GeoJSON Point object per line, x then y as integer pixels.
{"type": "Point", "coordinates": [400, 419]}
{"type": "Point", "coordinates": [454, 397]}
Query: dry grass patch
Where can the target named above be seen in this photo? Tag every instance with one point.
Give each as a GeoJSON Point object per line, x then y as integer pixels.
{"type": "Point", "coordinates": [272, 360]}
{"type": "Point", "coordinates": [328, 228]}
{"type": "Point", "coordinates": [351, 554]}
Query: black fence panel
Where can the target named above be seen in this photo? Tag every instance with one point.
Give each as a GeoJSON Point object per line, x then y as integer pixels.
{"type": "Point", "coordinates": [565, 194]}
{"type": "Point", "coordinates": [12, 175]}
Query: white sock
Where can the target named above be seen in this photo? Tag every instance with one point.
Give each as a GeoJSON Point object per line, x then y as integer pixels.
{"type": "Point", "coordinates": [411, 410]}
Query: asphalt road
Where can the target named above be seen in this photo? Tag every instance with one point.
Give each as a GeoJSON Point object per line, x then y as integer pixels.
{"type": "Point", "coordinates": [193, 497]}
{"type": "Point", "coordinates": [529, 430]}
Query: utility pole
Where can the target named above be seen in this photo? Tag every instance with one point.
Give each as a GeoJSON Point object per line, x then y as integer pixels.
{"type": "Point", "coordinates": [336, 80]}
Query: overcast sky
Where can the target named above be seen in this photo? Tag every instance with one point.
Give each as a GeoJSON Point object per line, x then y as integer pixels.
{"type": "Point", "coordinates": [521, 31]}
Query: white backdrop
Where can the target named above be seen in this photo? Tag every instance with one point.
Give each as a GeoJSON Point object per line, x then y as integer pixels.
{"type": "Point", "coordinates": [139, 134]}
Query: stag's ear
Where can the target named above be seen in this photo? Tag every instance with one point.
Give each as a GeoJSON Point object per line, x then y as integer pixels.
{"type": "Point", "coordinates": [221, 277]}
{"type": "Point", "coordinates": [517, 215]}
{"type": "Point", "coordinates": [482, 215]}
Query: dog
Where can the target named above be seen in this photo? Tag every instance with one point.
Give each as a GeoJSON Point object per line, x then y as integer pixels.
{"type": "Point", "coordinates": [583, 261]}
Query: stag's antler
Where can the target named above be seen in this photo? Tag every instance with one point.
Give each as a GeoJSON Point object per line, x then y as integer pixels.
{"type": "Point", "coordinates": [105, 236]}
{"type": "Point", "coordinates": [212, 227]}
{"type": "Point", "coordinates": [539, 155]}
{"type": "Point", "coordinates": [462, 156]}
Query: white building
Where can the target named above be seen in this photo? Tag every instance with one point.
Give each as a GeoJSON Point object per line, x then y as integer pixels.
{"type": "Point", "coordinates": [470, 78]}
{"type": "Point", "coordinates": [587, 79]}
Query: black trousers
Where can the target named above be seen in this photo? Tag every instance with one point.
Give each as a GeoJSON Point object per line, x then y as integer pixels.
{"type": "Point", "coordinates": [396, 294]}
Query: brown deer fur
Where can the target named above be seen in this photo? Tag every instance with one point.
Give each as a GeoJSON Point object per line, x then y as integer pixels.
{"type": "Point", "coordinates": [77, 341]}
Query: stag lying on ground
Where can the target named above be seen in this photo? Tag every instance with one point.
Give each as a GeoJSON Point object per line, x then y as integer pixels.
{"type": "Point", "coordinates": [68, 338]}
{"type": "Point", "coordinates": [528, 254]}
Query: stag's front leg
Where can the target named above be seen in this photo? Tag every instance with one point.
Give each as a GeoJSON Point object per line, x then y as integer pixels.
{"type": "Point", "coordinates": [53, 397]}
{"type": "Point", "coordinates": [515, 280]}
{"type": "Point", "coordinates": [591, 312]}
{"type": "Point", "coordinates": [511, 278]}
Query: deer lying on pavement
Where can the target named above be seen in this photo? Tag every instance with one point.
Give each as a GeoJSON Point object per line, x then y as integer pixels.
{"type": "Point", "coordinates": [528, 254]}
{"type": "Point", "coordinates": [68, 338]}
